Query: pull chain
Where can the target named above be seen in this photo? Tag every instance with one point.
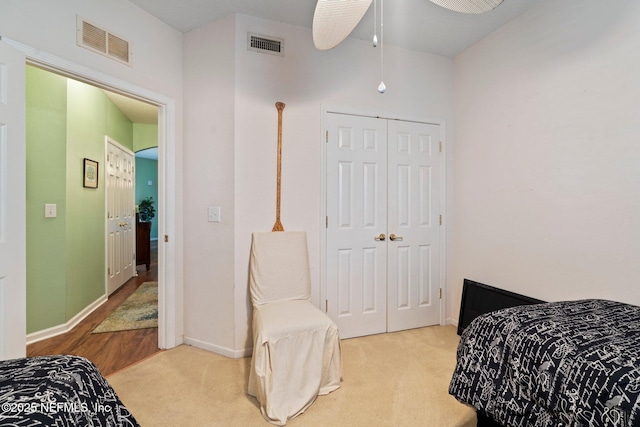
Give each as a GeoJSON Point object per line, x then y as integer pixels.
{"type": "Point", "coordinates": [375, 23]}
{"type": "Point", "coordinates": [381, 87]}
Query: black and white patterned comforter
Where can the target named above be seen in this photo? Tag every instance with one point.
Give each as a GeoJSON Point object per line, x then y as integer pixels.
{"type": "Point", "coordinates": [574, 363]}
{"type": "Point", "coordinates": [58, 391]}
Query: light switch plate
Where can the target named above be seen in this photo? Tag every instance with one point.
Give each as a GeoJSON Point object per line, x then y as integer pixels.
{"type": "Point", "coordinates": [214, 214]}
{"type": "Point", "coordinates": [50, 210]}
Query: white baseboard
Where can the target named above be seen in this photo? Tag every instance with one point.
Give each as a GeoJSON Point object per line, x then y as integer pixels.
{"type": "Point", "coordinates": [179, 341]}
{"type": "Point", "coordinates": [227, 352]}
{"type": "Point", "coordinates": [451, 321]}
{"type": "Point", "coordinates": [63, 329]}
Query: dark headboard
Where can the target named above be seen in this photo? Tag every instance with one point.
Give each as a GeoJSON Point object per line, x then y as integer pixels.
{"type": "Point", "coordinates": [478, 299]}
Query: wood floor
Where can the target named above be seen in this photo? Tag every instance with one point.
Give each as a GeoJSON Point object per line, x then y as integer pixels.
{"type": "Point", "coordinates": [110, 351]}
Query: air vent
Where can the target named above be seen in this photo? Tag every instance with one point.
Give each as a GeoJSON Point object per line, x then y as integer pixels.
{"type": "Point", "coordinates": [99, 40]}
{"type": "Point", "coordinates": [118, 48]}
{"type": "Point", "coordinates": [271, 45]}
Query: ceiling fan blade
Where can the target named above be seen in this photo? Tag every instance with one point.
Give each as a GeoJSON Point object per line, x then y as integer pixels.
{"type": "Point", "coordinates": [475, 7]}
{"type": "Point", "coordinates": [334, 20]}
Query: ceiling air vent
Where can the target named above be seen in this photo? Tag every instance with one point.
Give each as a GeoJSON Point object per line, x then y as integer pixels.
{"type": "Point", "coordinates": [272, 45]}
{"type": "Point", "coordinates": [99, 40]}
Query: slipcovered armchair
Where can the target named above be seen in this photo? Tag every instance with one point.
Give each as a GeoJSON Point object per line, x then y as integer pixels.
{"type": "Point", "coordinates": [296, 347]}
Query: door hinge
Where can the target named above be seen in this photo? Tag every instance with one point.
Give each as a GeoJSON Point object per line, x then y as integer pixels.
{"type": "Point", "coordinates": [326, 221]}
{"type": "Point", "coordinates": [326, 136]}
{"type": "Point", "coordinates": [440, 293]}
{"type": "Point", "coordinates": [166, 238]}
{"type": "Point", "coordinates": [440, 219]}
{"type": "Point", "coordinates": [326, 306]}
{"type": "Point", "coordinates": [441, 146]}
{"type": "Point", "coordinates": [109, 271]}
{"type": "Point", "coordinates": [107, 157]}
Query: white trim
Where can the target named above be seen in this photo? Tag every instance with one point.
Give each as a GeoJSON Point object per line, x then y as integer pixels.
{"type": "Point", "coordinates": [323, 193]}
{"type": "Point", "coordinates": [66, 327]}
{"type": "Point", "coordinates": [380, 115]}
{"type": "Point", "coordinates": [167, 280]}
{"type": "Point", "coordinates": [323, 210]}
{"type": "Point", "coordinates": [13, 271]}
{"type": "Point", "coordinates": [167, 276]}
{"type": "Point", "coordinates": [117, 144]}
{"type": "Point", "coordinates": [227, 352]}
{"type": "Point", "coordinates": [443, 227]}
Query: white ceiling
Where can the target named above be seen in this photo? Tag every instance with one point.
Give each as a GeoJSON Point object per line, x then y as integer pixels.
{"type": "Point", "coordinates": [136, 111]}
{"type": "Point", "coordinates": [414, 24]}
{"type": "Point", "coordinates": [418, 25]}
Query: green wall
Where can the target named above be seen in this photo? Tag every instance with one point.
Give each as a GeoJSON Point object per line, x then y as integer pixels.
{"type": "Point", "coordinates": [46, 117]}
{"type": "Point", "coordinates": [147, 170]}
{"type": "Point", "coordinates": [90, 116]}
{"type": "Point", "coordinates": [144, 136]}
{"type": "Point", "coordinates": [66, 122]}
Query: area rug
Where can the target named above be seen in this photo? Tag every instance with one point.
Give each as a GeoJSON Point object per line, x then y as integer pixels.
{"type": "Point", "coordinates": [139, 311]}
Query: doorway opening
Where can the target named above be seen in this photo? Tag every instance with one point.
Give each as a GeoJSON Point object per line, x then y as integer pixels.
{"type": "Point", "coordinates": [166, 200]}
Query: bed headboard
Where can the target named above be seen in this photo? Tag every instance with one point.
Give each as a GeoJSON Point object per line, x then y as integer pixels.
{"type": "Point", "coordinates": [478, 299]}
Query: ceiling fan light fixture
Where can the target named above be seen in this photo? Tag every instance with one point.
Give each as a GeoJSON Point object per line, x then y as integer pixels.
{"type": "Point", "coordinates": [333, 21]}
{"type": "Point", "coordinates": [474, 7]}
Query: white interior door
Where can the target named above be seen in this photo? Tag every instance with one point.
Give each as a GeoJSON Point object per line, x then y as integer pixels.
{"type": "Point", "coordinates": [413, 277]}
{"type": "Point", "coordinates": [383, 235]}
{"type": "Point", "coordinates": [13, 329]}
{"type": "Point", "coordinates": [357, 216]}
{"type": "Point", "coordinates": [120, 193]}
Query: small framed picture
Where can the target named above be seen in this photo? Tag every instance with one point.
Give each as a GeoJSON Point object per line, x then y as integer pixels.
{"type": "Point", "coordinates": [90, 173]}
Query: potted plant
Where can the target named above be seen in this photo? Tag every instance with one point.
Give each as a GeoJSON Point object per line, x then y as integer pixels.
{"type": "Point", "coordinates": [146, 210]}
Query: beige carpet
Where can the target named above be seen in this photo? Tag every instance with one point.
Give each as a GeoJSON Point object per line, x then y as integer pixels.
{"type": "Point", "coordinates": [395, 379]}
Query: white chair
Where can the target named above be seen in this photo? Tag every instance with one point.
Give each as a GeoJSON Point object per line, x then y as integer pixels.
{"type": "Point", "coordinates": [296, 347]}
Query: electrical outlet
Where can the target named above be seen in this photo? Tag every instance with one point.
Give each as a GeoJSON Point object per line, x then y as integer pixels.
{"type": "Point", "coordinates": [214, 214]}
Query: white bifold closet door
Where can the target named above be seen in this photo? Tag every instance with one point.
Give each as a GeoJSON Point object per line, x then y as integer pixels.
{"type": "Point", "coordinates": [383, 227]}
{"type": "Point", "coordinates": [121, 227]}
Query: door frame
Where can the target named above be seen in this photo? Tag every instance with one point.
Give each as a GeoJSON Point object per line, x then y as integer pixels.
{"type": "Point", "coordinates": [167, 269]}
{"type": "Point", "coordinates": [13, 280]}
{"type": "Point", "coordinates": [323, 193]}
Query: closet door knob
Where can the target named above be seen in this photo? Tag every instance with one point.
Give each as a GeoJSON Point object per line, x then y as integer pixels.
{"type": "Point", "coordinates": [393, 237]}
{"type": "Point", "coordinates": [381, 237]}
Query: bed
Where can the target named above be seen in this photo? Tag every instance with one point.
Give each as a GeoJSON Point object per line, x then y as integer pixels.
{"type": "Point", "coordinates": [58, 391]}
{"type": "Point", "coordinates": [571, 363]}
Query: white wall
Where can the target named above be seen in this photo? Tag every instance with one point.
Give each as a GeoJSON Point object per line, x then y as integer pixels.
{"type": "Point", "coordinates": [50, 26]}
{"type": "Point", "coordinates": [546, 195]}
{"type": "Point", "coordinates": [306, 80]}
{"type": "Point", "coordinates": [209, 74]}
{"type": "Point", "coordinates": [547, 163]}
